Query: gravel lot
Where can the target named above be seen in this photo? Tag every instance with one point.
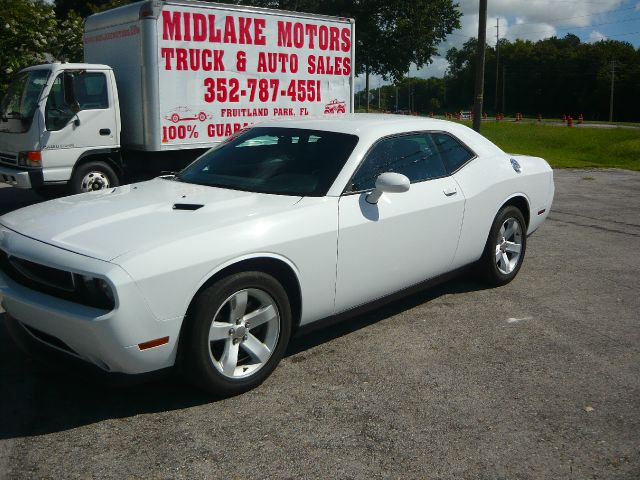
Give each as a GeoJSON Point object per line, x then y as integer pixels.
{"type": "Point", "coordinates": [538, 379]}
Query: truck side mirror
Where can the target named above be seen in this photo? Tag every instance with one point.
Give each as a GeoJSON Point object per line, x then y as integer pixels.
{"type": "Point", "coordinates": [69, 92]}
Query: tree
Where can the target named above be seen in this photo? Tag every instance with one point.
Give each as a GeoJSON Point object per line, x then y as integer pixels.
{"type": "Point", "coordinates": [85, 8]}
{"type": "Point", "coordinates": [553, 76]}
{"type": "Point", "coordinates": [29, 33]}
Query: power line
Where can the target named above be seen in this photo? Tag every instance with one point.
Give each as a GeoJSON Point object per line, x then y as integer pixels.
{"type": "Point", "coordinates": [578, 16]}
{"type": "Point", "coordinates": [572, 28]}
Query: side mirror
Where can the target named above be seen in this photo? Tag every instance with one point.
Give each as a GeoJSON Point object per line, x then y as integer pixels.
{"type": "Point", "coordinates": [388, 182]}
{"type": "Point", "coordinates": [69, 92]}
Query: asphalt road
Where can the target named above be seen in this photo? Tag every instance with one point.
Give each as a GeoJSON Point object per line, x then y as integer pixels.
{"type": "Point", "coordinates": [537, 379]}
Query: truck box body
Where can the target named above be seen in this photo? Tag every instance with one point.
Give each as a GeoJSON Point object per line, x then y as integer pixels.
{"type": "Point", "coordinates": [191, 73]}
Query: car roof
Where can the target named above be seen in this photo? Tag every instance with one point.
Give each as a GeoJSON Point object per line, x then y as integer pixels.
{"type": "Point", "coordinates": [370, 127]}
{"type": "Point", "coordinates": [357, 123]}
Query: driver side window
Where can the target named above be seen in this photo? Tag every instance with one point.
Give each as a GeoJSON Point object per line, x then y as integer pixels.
{"type": "Point", "coordinates": [57, 113]}
{"type": "Point", "coordinates": [413, 155]}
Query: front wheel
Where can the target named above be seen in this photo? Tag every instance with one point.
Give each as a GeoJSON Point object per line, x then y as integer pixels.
{"type": "Point", "coordinates": [505, 248]}
{"type": "Point", "coordinates": [237, 334]}
{"type": "Point", "coordinates": [93, 176]}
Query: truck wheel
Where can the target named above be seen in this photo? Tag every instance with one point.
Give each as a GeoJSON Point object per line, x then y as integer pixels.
{"type": "Point", "coordinates": [93, 176]}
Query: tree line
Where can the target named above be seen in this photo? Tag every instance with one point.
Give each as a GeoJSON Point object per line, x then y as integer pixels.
{"type": "Point", "coordinates": [550, 77]}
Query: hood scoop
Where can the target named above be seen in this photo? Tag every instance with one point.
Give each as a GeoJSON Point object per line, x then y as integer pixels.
{"type": "Point", "coordinates": [187, 206]}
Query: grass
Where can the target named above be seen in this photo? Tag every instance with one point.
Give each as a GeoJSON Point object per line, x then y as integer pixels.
{"type": "Point", "coordinates": [565, 147]}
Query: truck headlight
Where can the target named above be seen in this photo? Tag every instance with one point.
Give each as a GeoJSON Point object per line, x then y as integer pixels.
{"type": "Point", "coordinates": [97, 292]}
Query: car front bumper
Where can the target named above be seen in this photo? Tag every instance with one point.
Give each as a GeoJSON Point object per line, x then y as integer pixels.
{"type": "Point", "coordinates": [107, 339]}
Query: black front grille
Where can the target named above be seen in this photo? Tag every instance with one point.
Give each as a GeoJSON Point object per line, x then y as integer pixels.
{"type": "Point", "coordinates": [47, 276]}
{"type": "Point", "coordinates": [52, 281]}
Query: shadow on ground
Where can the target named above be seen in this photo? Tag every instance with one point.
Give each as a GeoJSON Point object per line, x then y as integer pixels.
{"type": "Point", "coordinates": [42, 398]}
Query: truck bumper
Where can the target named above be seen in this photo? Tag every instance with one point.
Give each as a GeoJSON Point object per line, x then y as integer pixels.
{"type": "Point", "coordinates": [21, 178]}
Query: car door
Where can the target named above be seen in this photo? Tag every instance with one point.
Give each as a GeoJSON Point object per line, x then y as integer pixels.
{"type": "Point", "coordinates": [404, 238]}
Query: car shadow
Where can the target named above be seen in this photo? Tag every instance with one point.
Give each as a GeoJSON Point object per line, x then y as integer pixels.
{"type": "Point", "coordinates": [42, 398]}
{"type": "Point", "coordinates": [12, 198]}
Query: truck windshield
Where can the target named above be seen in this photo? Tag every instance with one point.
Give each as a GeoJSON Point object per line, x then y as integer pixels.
{"type": "Point", "coordinates": [281, 161]}
{"type": "Point", "coordinates": [21, 100]}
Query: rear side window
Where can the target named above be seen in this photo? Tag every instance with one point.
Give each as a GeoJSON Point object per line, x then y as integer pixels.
{"type": "Point", "coordinates": [453, 153]}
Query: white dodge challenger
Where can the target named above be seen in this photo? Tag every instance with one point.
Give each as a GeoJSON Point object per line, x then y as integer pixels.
{"type": "Point", "coordinates": [285, 224]}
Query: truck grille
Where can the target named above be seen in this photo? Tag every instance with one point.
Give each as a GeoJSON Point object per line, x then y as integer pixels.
{"type": "Point", "coordinates": [8, 158]}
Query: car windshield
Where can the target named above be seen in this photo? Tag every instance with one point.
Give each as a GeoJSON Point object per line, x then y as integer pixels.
{"type": "Point", "coordinates": [281, 161]}
{"type": "Point", "coordinates": [21, 100]}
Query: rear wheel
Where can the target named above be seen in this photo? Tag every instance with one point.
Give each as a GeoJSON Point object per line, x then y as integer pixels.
{"type": "Point", "coordinates": [505, 248]}
{"type": "Point", "coordinates": [237, 334]}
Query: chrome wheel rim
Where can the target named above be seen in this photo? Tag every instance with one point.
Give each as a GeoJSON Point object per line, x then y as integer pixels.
{"type": "Point", "coordinates": [244, 333]}
{"type": "Point", "coordinates": [94, 181]}
{"type": "Point", "coordinates": [509, 246]}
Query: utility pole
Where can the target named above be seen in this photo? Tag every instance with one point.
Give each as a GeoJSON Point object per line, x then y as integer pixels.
{"type": "Point", "coordinates": [479, 84]}
{"type": "Point", "coordinates": [444, 89]}
{"type": "Point", "coordinates": [396, 97]}
{"type": "Point", "coordinates": [497, 60]}
{"type": "Point", "coordinates": [613, 78]}
{"type": "Point", "coordinates": [379, 90]}
{"type": "Point", "coordinates": [504, 85]}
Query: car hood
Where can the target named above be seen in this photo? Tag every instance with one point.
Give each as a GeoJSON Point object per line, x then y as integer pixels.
{"type": "Point", "coordinates": [109, 223]}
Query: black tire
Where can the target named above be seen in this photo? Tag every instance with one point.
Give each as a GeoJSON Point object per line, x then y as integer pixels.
{"type": "Point", "coordinates": [493, 271]}
{"type": "Point", "coordinates": [198, 354]}
{"type": "Point", "coordinates": [93, 176]}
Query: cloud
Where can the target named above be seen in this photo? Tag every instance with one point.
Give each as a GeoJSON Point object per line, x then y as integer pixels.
{"type": "Point", "coordinates": [638, 7]}
{"type": "Point", "coordinates": [526, 19]}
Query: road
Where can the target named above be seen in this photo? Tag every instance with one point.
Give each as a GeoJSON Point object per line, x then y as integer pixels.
{"type": "Point", "coordinates": [537, 379]}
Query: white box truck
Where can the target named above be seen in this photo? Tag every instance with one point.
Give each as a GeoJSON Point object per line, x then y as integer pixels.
{"type": "Point", "coordinates": [163, 81]}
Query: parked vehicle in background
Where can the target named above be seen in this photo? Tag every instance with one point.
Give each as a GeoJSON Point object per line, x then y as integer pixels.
{"type": "Point", "coordinates": [213, 268]}
{"type": "Point", "coordinates": [165, 80]}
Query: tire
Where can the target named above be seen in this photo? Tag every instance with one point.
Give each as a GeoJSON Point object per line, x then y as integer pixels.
{"type": "Point", "coordinates": [93, 176]}
{"type": "Point", "coordinates": [505, 248]}
{"type": "Point", "coordinates": [240, 356]}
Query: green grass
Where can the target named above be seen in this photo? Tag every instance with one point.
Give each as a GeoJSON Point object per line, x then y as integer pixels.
{"type": "Point", "coordinates": [565, 147]}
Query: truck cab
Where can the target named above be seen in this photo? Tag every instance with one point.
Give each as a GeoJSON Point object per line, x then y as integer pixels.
{"type": "Point", "coordinates": [60, 124]}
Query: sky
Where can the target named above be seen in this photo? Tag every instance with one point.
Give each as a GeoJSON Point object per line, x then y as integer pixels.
{"type": "Point", "coordinates": [590, 20]}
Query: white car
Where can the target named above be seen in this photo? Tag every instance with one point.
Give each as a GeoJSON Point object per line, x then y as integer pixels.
{"type": "Point", "coordinates": [285, 224]}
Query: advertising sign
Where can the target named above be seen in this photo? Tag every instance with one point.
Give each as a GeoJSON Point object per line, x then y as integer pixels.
{"type": "Point", "coordinates": [221, 70]}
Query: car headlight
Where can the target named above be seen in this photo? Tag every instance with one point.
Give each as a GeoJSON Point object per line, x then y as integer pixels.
{"type": "Point", "coordinates": [96, 291]}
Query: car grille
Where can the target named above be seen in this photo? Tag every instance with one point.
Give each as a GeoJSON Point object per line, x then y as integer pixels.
{"type": "Point", "coordinates": [52, 281]}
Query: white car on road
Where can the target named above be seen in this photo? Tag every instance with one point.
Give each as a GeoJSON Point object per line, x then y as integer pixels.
{"type": "Point", "coordinates": [287, 223]}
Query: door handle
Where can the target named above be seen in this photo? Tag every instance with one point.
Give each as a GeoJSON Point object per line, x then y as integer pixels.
{"type": "Point", "coordinates": [449, 191]}
{"type": "Point", "coordinates": [105, 131]}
